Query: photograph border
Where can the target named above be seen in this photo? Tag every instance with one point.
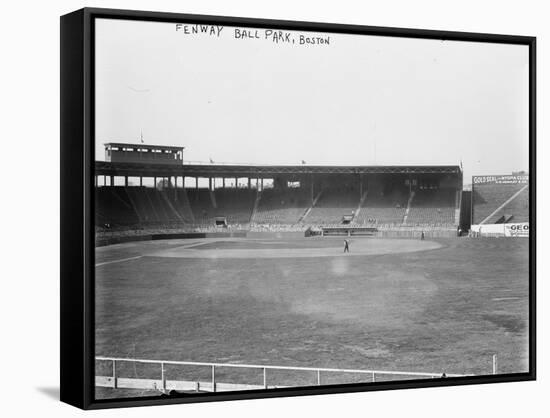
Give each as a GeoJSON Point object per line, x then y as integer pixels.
{"type": "Point", "coordinates": [77, 337]}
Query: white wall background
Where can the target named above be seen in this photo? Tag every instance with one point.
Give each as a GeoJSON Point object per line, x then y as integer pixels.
{"type": "Point", "coordinates": [29, 220]}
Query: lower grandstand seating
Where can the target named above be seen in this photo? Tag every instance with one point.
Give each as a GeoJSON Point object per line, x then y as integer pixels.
{"type": "Point", "coordinates": [120, 205]}
{"type": "Point", "coordinates": [280, 207]}
{"type": "Point", "coordinates": [235, 205]}
{"type": "Point", "coordinates": [332, 205]}
{"type": "Point", "coordinates": [113, 207]}
{"type": "Point", "coordinates": [383, 208]}
{"type": "Point", "coordinates": [201, 205]}
{"type": "Point", "coordinates": [433, 207]}
{"type": "Point", "coordinates": [144, 205]}
{"type": "Point", "coordinates": [385, 205]}
{"type": "Point", "coordinates": [152, 205]}
{"type": "Point", "coordinates": [182, 206]}
{"type": "Point", "coordinates": [487, 198]}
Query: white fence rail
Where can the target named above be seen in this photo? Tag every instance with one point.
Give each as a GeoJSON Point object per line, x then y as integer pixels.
{"type": "Point", "coordinates": [163, 384]}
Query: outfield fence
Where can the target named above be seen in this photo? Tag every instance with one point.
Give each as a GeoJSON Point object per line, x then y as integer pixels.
{"type": "Point", "coordinates": [164, 384]}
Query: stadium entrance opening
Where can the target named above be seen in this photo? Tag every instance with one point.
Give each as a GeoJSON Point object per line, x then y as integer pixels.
{"type": "Point", "coordinates": [346, 219]}
{"type": "Point", "coordinates": [221, 221]}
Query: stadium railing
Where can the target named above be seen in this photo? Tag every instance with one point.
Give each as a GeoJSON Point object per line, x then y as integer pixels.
{"type": "Point", "coordinates": [114, 380]}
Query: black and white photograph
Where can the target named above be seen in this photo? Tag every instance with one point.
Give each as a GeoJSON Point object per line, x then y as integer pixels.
{"type": "Point", "coordinates": [275, 209]}
{"type": "Point", "coordinates": [283, 208]}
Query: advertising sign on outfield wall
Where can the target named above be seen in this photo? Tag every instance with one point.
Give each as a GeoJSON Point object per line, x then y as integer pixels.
{"type": "Point", "coordinates": [521, 179]}
{"type": "Point", "coordinates": [502, 230]}
{"type": "Point", "coordinates": [516, 230]}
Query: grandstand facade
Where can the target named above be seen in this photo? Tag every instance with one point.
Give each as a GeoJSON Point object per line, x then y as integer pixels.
{"type": "Point", "coordinates": [274, 197]}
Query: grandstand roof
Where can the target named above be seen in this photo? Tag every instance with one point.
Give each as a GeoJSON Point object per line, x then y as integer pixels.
{"type": "Point", "coordinates": [142, 146]}
{"type": "Point", "coordinates": [234, 170]}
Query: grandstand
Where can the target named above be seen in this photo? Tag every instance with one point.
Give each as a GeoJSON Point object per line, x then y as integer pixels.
{"type": "Point", "coordinates": [433, 207]}
{"type": "Point", "coordinates": [389, 198]}
{"type": "Point", "coordinates": [385, 202]}
{"type": "Point", "coordinates": [235, 205]}
{"type": "Point", "coordinates": [114, 207]}
{"type": "Point", "coordinates": [281, 207]}
{"type": "Point", "coordinates": [332, 204]}
{"type": "Point", "coordinates": [202, 205]}
{"type": "Point", "coordinates": [272, 197]}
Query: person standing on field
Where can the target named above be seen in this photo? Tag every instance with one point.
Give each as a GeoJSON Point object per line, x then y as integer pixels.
{"type": "Point", "coordinates": [346, 246]}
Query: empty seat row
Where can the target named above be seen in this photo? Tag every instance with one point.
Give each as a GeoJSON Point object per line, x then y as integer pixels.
{"type": "Point", "coordinates": [282, 207]}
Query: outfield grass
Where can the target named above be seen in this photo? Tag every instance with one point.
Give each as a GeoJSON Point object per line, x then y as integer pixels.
{"type": "Point", "coordinates": [441, 310]}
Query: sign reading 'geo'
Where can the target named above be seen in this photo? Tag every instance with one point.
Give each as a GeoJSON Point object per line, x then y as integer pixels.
{"type": "Point", "coordinates": [516, 230]}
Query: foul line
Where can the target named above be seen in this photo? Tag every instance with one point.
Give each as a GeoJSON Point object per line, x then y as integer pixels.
{"type": "Point", "coordinates": [118, 261]}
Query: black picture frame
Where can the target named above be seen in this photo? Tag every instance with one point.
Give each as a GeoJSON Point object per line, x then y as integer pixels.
{"type": "Point", "coordinates": [77, 203]}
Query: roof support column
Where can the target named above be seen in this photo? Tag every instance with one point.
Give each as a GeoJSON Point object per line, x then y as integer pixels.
{"type": "Point", "coordinates": [312, 191]}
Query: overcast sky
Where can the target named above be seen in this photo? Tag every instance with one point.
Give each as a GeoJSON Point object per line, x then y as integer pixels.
{"type": "Point", "coordinates": [359, 100]}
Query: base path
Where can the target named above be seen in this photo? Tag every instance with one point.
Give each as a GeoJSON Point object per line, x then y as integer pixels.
{"type": "Point", "coordinates": [358, 247]}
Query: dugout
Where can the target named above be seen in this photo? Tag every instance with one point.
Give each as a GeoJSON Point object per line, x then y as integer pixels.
{"type": "Point", "coordinates": [348, 231]}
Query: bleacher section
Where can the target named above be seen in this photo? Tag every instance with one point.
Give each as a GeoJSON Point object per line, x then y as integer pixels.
{"type": "Point", "coordinates": [332, 206]}
{"type": "Point", "coordinates": [282, 207]}
{"type": "Point", "coordinates": [433, 207]}
{"type": "Point", "coordinates": [487, 198]}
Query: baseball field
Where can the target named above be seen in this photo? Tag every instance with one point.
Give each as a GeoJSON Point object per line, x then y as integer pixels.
{"type": "Point", "coordinates": [441, 305]}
